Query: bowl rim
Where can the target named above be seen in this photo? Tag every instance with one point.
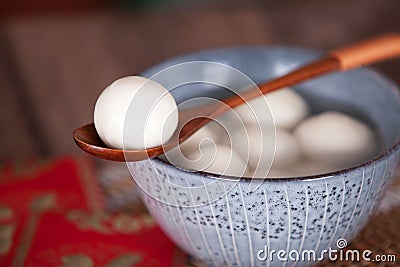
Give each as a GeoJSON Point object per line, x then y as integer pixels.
{"type": "Point", "coordinates": [386, 153]}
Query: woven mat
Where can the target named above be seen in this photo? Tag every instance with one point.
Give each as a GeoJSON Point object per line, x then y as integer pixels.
{"type": "Point", "coordinates": [381, 235]}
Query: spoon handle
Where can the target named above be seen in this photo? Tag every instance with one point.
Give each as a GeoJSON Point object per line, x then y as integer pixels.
{"type": "Point", "coordinates": [366, 52]}
{"type": "Point", "coordinates": [370, 51]}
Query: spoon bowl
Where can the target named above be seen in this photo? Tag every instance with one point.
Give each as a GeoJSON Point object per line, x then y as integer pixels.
{"type": "Point", "coordinates": [88, 140]}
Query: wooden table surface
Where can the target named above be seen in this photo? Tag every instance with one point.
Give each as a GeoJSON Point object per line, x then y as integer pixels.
{"type": "Point", "coordinates": [53, 67]}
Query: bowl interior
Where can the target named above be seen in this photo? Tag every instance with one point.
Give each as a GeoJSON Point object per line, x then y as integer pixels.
{"type": "Point", "coordinates": [362, 93]}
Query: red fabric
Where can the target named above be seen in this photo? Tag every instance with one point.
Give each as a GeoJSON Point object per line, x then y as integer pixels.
{"type": "Point", "coordinates": [52, 214]}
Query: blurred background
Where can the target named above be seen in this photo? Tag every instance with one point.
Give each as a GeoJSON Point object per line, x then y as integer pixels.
{"type": "Point", "coordinates": [57, 56]}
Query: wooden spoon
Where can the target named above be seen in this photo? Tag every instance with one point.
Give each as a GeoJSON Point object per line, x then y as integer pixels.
{"type": "Point", "coordinates": [367, 52]}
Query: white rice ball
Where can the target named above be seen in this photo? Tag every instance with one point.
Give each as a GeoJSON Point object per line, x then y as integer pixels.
{"type": "Point", "coordinates": [135, 113]}
{"type": "Point", "coordinates": [262, 145]}
{"type": "Point", "coordinates": [227, 124]}
{"type": "Point", "coordinates": [335, 138]}
{"type": "Point", "coordinates": [287, 151]}
{"type": "Point", "coordinates": [313, 167]}
{"type": "Point", "coordinates": [270, 173]}
{"type": "Point", "coordinates": [218, 159]}
{"type": "Point", "coordinates": [287, 107]}
{"type": "Point", "coordinates": [255, 145]}
{"type": "Point", "coordinates": [206, 134]}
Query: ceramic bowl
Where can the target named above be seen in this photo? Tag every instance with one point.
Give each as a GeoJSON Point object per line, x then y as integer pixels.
{"type": "Point", "coordinates": [231, 221]}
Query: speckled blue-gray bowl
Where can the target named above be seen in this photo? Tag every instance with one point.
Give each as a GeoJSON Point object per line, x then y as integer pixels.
{"type": "Point", "coordinates": [239, 226]}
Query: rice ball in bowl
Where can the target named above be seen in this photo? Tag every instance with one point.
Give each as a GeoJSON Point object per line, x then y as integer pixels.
{"type": "Point", "coordinates": [299, 213]}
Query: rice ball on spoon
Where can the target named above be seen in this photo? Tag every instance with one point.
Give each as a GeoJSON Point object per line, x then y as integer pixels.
{"type": "Point", "coordinates": [135, 113]}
